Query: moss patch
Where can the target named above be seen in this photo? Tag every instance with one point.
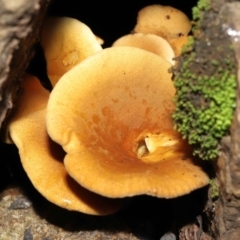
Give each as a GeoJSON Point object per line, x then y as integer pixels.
{"type": "Point", "coordinates": [206, 85]}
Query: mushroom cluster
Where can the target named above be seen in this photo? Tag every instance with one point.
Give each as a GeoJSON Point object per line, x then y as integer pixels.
{"type": "Point", "coordinates": [106, 132]}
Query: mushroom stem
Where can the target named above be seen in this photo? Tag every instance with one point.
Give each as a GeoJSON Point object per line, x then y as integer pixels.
{"type": "Point", "coordinates": [154, 148]}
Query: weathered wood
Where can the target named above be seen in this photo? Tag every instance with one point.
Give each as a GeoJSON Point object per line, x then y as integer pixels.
{"type": "Point", "coordinates": [227, 208]}
{"type": "Point", "coordinates": [20, 22]}
{"type": "Point", "coordinates": [218, 39]}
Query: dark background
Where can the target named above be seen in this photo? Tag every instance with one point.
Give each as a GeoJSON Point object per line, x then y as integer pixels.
{"type": "Point", "coordinates": [111, 19]}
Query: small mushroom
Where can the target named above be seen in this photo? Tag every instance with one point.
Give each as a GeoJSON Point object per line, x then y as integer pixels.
{"type": "Point", "coordinates": [42, 158]}
{"type": "Point", "coordinates": [100, 40]}
{"type": "Point", "coordinates": [148, 42]}
{"type": "Point", "coordinates": [164, 21]}
{"type": "Point", "coordinates": [66, 42]}
{"type": "Point", "coordinates": [178, 43]}
{"type": "Point", "coordinates": [116, 126]}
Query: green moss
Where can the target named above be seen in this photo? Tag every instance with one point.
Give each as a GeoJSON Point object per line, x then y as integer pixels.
{"type": "Point", "coordinates": [206, 90]}
{"type": "Point", "coordinates": [204, 107]}
{"type": "Point", "coordinates": [214, 189]}
{"type": "Point", "coordinates": [188, 46]}
{"type": "Point", "coordinates": [197, 11]}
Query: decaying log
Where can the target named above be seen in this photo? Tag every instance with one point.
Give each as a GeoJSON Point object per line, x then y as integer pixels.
{"type": "Point", "coordinates": [226, 215]}
{"type": "Point", "coordinates": [20, 22]}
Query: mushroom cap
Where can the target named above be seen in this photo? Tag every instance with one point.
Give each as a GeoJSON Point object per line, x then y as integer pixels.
{"type": "Point", "coordinates": [100, 40]}
{"type": "Point", "coordinates": [66, 42]}
{"type": "Point", "coordinates": [42, 158]}
{"type": "Point", "coordinates": [148, 42]}
{"type": "Point", "coordinates": [164, 21]}
{"type": "Point", "coordinates": [178, 43]}
{"type": "Point", "coordinates": [30, 89]}
{"type": "Point", "coordinates": [103, 120]}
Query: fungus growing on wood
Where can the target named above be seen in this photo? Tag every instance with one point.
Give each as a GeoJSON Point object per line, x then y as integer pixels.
{"type": "Point", "coordinates": [149, 42]}
{"type": "Point", "coordinates": [66, 42]}
{"type": "Point", "coordinates": [116, 126]}
{"type": "Point", "coordinates": [42, 158]}
{"type": "Point", "coordinates": [164, 21]}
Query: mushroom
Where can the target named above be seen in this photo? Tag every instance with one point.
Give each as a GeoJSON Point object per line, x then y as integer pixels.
{"type": "Point", "coordinates": [42, 158]}
{"type": "Point", "coordinates": [66, 42]}
{"type": "Point", "coordinates": [100, 40]}
{"type": "Point", "coordinates": [164, 21]}
{"type": "Point", "coordinates": [178, 43]}
{"type": "Point", "coordinates": [149, 42]}
{"type": "Point", "coordinates": [116, 126]}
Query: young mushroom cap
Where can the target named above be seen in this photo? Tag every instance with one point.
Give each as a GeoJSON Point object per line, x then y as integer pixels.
{"type": "Point", "coordinates": [177, 44]}
{"type": "Point", "coordinates": [148, 42]}
{"type": "Point", "coordinates": [116, 127]}
{"type": "Point", "coordinates": [164, 21]}
{"type": "Point", "coordinates": [42, 158]}
{"type": "Point", "coordinates": [66, 42]}
{"type": "Point", "coordinates": [100, 40]}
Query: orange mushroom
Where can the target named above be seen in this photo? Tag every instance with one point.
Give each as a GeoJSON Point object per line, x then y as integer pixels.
{"type": "Point", "coordinates": [66, 42]}
{"type": "Point", "coordinates": [116, 126]}
{"type": "Point", "coordinates": [164, 21]}
{"type": "Point", "coordinates": [100, 40]}
{"type": "Point", "coordinates": [178, 43]}
{"type": "Point", "coordinates": [148, 42]}
{"type": "Point", "coordinates": [42, 158]}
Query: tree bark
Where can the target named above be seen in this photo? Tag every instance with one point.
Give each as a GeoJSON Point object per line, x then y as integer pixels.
{"type": "Point", "coordinates": [218, 39]}
{"type": "Point", "coordinates": [20, 22]}
{"type": "Point", "coordinates": [227, 208]}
